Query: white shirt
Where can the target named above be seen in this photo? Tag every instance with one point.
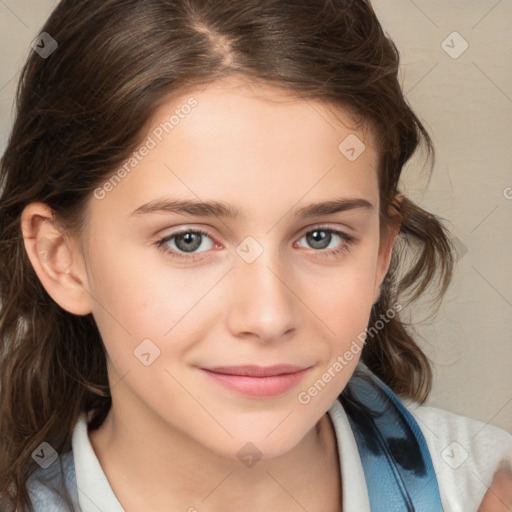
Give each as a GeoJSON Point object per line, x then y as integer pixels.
{"type": "Point", "coordinates": [465, 454]}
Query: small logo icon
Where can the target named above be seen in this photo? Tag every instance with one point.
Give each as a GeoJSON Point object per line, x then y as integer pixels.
{"type": "Point", "coordinates": [44, 45]}
{"type": "Point", "coordinates": [351, 147]}
{"type": "Point", "coordinates": [45, 455]}
{"type": "Point", "coordinates": [146, 352]}
{"type": "Point", "coordinates": [249, 249]}
{"type": "Point", "coordinates": [249, 455]}
{"type": "Point", "coordinates": [454, 455]}
{"type": "Point", "coordinates": [454, 45]}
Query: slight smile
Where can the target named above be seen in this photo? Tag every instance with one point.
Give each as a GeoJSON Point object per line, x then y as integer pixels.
{"type": "Point", "coordinates": [257, 381]}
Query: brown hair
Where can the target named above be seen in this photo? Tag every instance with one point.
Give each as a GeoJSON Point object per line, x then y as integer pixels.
{"type": "Point", "coordinates": [82, 111]}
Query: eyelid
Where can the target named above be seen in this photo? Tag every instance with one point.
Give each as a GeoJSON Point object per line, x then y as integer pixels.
{"type": "Point", "coordinates": [182, 230]}
{"type": "Point", "coordinates": [347, 230]}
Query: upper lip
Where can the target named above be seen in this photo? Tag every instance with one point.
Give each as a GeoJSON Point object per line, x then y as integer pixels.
{"type": "Point", "coordinates": [257, 371]}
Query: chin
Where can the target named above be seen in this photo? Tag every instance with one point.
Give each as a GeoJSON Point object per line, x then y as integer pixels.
{"type": "Point", "coordinates": [264, 443]}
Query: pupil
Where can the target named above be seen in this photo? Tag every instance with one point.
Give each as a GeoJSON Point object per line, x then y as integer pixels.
{"type": "Point", "coordinates": [191, 241]}
{"type": "Point", "coordinates": [319, 237]}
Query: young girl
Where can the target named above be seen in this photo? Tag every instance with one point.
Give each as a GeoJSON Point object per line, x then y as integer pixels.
{"type": "Point", "coordinates": [265, 367]}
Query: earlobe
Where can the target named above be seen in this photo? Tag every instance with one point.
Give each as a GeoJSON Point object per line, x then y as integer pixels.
{"type": "Point", "coordinates": [54, 259]}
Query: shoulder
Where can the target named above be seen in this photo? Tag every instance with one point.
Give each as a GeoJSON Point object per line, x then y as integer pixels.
{"type": "Point", "coordinates": [466, 453]}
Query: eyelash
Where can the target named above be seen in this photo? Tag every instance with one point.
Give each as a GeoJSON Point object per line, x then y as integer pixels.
{"type": "Point", "coordinates": [349, 240]}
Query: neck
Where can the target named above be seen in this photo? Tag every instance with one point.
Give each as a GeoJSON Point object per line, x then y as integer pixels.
{"type": "Point", "coordinates": [152, 466]}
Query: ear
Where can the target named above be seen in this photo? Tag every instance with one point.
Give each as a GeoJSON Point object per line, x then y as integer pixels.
{"type": "Point", "coordinates": [55, 259]}
{"type": "Point", "coordinates": [386, 245]}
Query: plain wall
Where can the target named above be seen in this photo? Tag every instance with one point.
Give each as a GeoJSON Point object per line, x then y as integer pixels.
{"type": "Point", "coordinates": [465, 102]}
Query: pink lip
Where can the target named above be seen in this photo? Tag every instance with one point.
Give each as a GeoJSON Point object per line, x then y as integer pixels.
{"type": "Point", "coordinates": [257, 380]}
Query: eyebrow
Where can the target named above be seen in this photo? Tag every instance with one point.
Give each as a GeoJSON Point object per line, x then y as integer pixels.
{"type": "Point", "coordinates": [226, 210]}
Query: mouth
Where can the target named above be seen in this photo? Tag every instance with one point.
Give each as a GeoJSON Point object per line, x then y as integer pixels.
{"type": "Point", "coordinates": [257, 381]}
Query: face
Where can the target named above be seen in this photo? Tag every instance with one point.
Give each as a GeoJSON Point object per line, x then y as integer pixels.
{"type": "Point", "coordinates": [179, 293]}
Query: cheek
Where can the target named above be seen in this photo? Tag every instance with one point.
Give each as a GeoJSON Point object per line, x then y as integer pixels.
{"type": "Point", "coordinates": [344, 310]}
{"type": "Point", "coordinates": [138, 298]}
{"type": "Point", "coordinates": [343, 304]}
{"type": "Point", "coordinates": [134, 289]}
{"type": "Point", "coordinates": [344, 297]}
{"type": "Point", "coordinates": [348, 321]}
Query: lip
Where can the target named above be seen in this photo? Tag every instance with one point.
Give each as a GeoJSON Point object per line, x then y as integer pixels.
{"type": "Point", "coordinates": [257, 381]}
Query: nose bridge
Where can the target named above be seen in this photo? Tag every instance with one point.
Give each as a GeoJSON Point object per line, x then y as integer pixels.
{"type": "Point", "coordinates": [259, 265]}
{"type": "Point", "coordinates": [262, 290]}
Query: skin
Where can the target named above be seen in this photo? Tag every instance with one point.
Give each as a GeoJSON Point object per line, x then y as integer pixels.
{"type": "Point", "coordinates": [171, 439]}
{"type": "Point", "coordinates": [498, 497]}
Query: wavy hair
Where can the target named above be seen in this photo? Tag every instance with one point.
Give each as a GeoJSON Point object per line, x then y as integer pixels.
{"type": "Point", "coordinates": [82, 111]}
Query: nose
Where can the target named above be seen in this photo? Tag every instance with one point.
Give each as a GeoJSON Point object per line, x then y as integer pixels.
{"type": "Point", "coordinates": [263, 305]}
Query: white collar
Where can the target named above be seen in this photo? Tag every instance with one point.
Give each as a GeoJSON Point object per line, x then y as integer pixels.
{"type": "Point", "coordinates": [353, 481]}
{"type": "Point", "coordinates": [96, 495]}
{"type": "Point", "coordinates": [94, 491]}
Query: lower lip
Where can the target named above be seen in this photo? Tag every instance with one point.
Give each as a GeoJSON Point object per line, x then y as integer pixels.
{"type": "Point", "coordinates": [257, 386]}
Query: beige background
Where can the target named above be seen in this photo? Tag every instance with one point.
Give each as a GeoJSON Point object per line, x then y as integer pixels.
{"type": "Point", "coordinates": [466, 104]}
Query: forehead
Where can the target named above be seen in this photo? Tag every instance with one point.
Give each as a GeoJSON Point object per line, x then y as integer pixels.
{"type": "Point", "coordinates": [242, 143]}
{"type": "Point", "coordinates": [238, 108]}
